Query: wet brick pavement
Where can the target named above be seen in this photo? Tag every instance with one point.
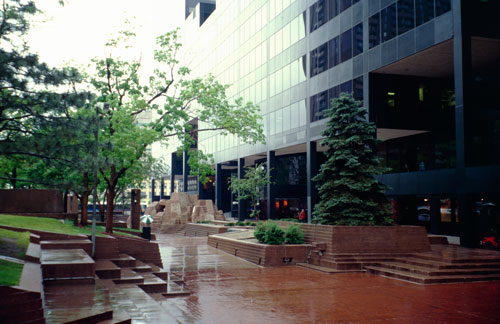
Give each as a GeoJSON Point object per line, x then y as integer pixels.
{"type": "Point", "coordinates": [226, 289]}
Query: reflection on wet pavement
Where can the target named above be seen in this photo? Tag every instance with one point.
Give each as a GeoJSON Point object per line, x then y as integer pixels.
{"type": "Point", "coordinates": [226, 289]}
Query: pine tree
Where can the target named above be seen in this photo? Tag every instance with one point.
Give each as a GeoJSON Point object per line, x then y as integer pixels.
{"type": "Point", "coordinates": [349, 193]}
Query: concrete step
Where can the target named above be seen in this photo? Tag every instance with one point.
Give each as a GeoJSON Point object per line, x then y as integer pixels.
{"type": "Point", "coordinates": [66, 265]}
{"type": "Point", "coordinates": [457, 259]}
{"type": "Point", "coordinates": [124, 261]}
{"type": "Point", "coordinates": [33, 253]}
{"type": "Point", "coordinates": [153, 284]}
{"type": "Point", "coordinates": [22, 316]}
{"type": "Point", "coordinates": [85, 245]}
{"type": "Point", "coordinates": [34, 238]}
{"type": "Point", "coordinates": [424, 279]}
{"type": "Point", "coordinates": [105, 269]}
{"type": "Point", "coordinates": [129, 276]}
{"type": "Point", "coordinates": [142, 267]}
{"type": "Point", "coordinates": [326, 269]}
{"type": "Point", "coordinates": [446, 265]}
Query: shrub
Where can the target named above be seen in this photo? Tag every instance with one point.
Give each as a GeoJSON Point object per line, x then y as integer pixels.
{"type": "Point", "coordinates": [269, 233]}
{"type": "Point", "coordinates": [290, 220]}
{"type": "Point", "coordinates": [294, 235]}
{"type": "Point", "coordinates": [239, 223]}
{"type": "Point", "coordinates": [229, 224]}
{"type": "Point", "coordinates": [248, 223]}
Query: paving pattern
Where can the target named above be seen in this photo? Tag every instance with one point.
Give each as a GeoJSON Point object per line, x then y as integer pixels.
{"type": "Point", "coordinates": [226, 289]}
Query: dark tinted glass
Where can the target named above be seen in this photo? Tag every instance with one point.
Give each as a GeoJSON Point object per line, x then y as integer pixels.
{"type": "Point", "coordinates": [374, 30]}
{"type": "Point", "coordinates": [357, 84]}
{"type": "Point", "coordinates": [406, 19]}
{"type": "Point", "coordinates": [357, 34]}
{"type": "Point", "coordinates": [346, 45]}
{"type": "Point", "coordinates": [344, 4]}
{"type": "Point", "coordinates": [424, 11]}
{"type": "Point", "coordinates": [346, 87]}
{"type": "Point", "coordinates": [314, 18]}
{"type": "Point", "coordinates": [314, 107]}
{"type": "Point", "coordinates": [442, 6]}
{"type": "Point", "coordinates": [333, 93]}
{"type": "Point", "coordinates": [319, 14]}
{"type": "Point", "coordinates": [319, 59]}
{"type": "Point", "coordinates": [333, 8]}
{"type": "Point", "coordinates": [333, 52]}
{"type": "Point", "coordinates": [354, 1]}
{"type": "Point", "coordinates": [319, 103]}
{"type": "Point", "coordinates": [388, 19]}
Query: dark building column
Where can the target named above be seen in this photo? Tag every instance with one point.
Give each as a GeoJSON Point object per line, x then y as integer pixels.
{"type": "Point", "coordinates": [185, 170]}
{"type": "Point", "coordinates": [162, 188]}
{"type": "Point", "coordinates": [312, 170]}
{"type": "Point", "coordinates": [271, 195]}
{"type": "Point", "coordinates": [176, 168]}
{"type": "Point", "coordinates": [462, 67]}
{"type": "Point", "coordinates": [241, 203]}
{"type": "Point", "coordinates": [135, 208]}
{"type": "Point", "coordinates": [201, 190]}
{"type": "Point", "coordinates": [435, 211]}
{"type": "Point", "coordinates": [218, 186]}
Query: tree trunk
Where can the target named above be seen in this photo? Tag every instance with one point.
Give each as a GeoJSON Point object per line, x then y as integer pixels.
{"type": "Point", "coordinates": [84, 201]}
{"type": "Point", "coordinates": [109, 209]}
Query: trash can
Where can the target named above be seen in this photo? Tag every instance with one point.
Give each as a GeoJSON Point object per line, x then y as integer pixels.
{"type": "Point", "coordinates": [146, 233]}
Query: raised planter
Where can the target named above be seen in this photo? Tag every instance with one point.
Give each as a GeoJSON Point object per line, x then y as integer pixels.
{"type": "Point", "coordinates": [261, 254]}
{"type": "Point", "coordinates": [193, 229]}
{"type": "Point", "coordinates": [367, 239]}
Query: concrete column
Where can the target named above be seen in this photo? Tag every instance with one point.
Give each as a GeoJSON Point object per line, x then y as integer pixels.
{"type": "Point", "coordinates": [135, 208]}
{"type": "Point", "coordinates": [218, 186]}
{"type": "Point", "coordinates": [312, 170]}
{"type": "Point", "coordinates": [241, 203]}
{"type": "Point", "coordinates": [271, 195]}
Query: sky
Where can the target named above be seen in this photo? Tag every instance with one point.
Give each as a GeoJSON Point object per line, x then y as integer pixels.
{"type": "Point", "coordinates": [76, 32]}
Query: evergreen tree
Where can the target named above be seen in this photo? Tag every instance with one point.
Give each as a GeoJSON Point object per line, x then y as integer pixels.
{"type": "Point", "coordinates": [349, 193]}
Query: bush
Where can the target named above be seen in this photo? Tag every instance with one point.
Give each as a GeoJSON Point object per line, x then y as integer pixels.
{"type": "Point", "coordinates": [239, 223]}
{"type": "Point", "coordinates": [229, 224]}
{"type": "Point", "coordinates": [290, 220]}
{"type": "Point", "coordinates": [269, 233]}
{"type": "Point", "coordinates": [248, 223]}
{"type": "Point", "coordinates": [294, 235]}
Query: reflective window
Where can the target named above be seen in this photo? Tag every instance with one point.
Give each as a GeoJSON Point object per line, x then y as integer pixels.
{"type": "Point", "coordinates": [406, 19]}
{"type": "Point", "coordinates": [333, 8]}
{"type": "Point", "coordinates": [279, 121]}
{"type": "Point", "coordinates": [346, 87]}
{"type": "Point", "coordinates": [333, 52]}
{"type": "Point", "coordinates": [388, 22]}
{"type": "Point", "coordinates": [272, 123]}
{"type": "Point", "coordinates": [272, 84]}
{"type": "Point", "coordinates": [303, 70]}
{"type": "Point", "coordinates": [318, 14]}
{"type": "Point", "coordinates": [346, 45]}
{"type": "Point", "coordinates": [279, 81]}
{"type": "Point", "coordinates": [344, 4]}
{"type": "Point", "coordinates": [442, 6]}
{"type": "Point", "coordinates": [374, 30]}
{"type": "Point", "coordinates": [286, 37]}
{"type": "Point", "coordinates": [286, 118]}
{"type": "Point", "coordinates": [286, 77]}
{"type": "Point", "coordinates": [294, 30]}
{"type": "Point", "coordinates": [302, 112]}
{"type": "Point", "coordinates": [357, 84]}
{"type": "Point", "coordinates": [294, 115]}
{"type": "Point", "coordinates": [319, 59]}
{"type": "Point", "coordinates": [424, 11]}
{"type": "Point", "coordinates": [294, 73]}
{"type": "Point", "coordinates": [302, 26]}
{"type": "Point", "coordinates": [333, 93]}
{"type": "Point", "coordinates": [357, 39]}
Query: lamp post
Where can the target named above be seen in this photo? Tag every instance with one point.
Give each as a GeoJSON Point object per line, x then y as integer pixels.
{"type": "Point", "coordinates": [103, 106]}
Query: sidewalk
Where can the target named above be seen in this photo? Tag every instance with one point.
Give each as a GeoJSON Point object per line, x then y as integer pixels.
{"type": "Point", "coordinates": [226, 289]}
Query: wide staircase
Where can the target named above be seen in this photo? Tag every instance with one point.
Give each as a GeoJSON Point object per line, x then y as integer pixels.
{"type": "Point", "coordinates": [113, 288]}
{"type": "Point", "coordinates": [443, 264]}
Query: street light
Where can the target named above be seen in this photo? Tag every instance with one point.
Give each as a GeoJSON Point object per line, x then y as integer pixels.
{"type": "Point", "coordinates": [102, 106]}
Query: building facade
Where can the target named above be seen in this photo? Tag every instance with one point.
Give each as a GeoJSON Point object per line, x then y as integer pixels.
{"type": "Point", "coordinates": [427, 71]}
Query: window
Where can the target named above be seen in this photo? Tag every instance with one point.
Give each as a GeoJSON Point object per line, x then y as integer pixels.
{"type": "Point", "coordinates": [302, 71]}
{"type": "Point", "coordinates": [388, 18]}
{"type": "Point", "coordinates": [333, 8]}
{"type": "Point", "coordinates": [357, 84]}
{"type": "Point", "coordinates": [358, 39]}
{"type": "Point", "coordinates": [346, 45]}
{"type": "Point", "coordinates": [406, 19]}
{"type": "Point", "coordinates": [319, 59]}
{"type": "Point", "coordinates": [346, 87]}
{"type": "Point", "coordinates": [318, 14]}
{"type": "Point", "coordinates": [294, 115]}
{"type": "Point", "coordinates": [442, 6]}
{"type": "Point", "coordinates": [333, 93]}
{"type": "Point", "coordinates": [374, 30]}
{"type": "Point", "coordinates": [424, 11]}
{"type": "Point", "coordinates": [333, 52]}
{"type": "Point", "coordinates": [319, 103]}
{"type": "Point", "coordinates": [344, 4]}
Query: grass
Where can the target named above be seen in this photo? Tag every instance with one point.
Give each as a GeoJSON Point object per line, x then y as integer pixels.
{"type": "Point", "coordinates": [14, 244]}
{"type": "Point", "coordinates": [50, 225]}
{"type": "Point", "coordinates": [10, 273]}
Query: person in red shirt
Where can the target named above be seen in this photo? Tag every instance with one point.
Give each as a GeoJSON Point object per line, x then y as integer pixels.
{"type": "Point", "coordinates": [302, 216]}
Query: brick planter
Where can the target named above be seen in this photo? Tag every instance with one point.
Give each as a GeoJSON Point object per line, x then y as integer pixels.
{"type": "Point", "coordinates": [193, 229]}
{"type": "Point", "coordinates": [262, 254]}
{"type": "Point", "coordinates": [367, 239]}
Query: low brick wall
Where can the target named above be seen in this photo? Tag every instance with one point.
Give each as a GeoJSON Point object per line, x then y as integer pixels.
{"type": "Point", "coordinates": [261, 254]}
{"type": "Point", "coordinates": [203, 229]}
{"type": "Point", "coordinates": [140, 249]}
{"type": "Point", "coordinates": [70, 216]}
{"type": "Point", "coordinates": [31, 201]}
{"type": "Point", "coordinates": [46, 236]}
{"type": "Point", "coordinates": [367, 239]}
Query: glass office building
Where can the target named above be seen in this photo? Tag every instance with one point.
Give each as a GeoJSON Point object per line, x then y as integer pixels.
{"type": "Point", "coordinates": [426, 70]}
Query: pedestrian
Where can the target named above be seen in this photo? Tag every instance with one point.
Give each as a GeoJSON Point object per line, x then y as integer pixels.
{"type": "Point", "coordinates": [302, 216]}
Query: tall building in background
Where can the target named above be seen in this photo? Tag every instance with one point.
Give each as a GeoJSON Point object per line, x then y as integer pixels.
{"type": "Point", "coordinates": [427, 70]}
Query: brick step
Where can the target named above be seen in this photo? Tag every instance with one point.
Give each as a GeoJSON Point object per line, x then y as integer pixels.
{"type": "Point", "coordinates": [153, 284]}
{"type": "Point", "coordinates": [66, 264]}
{"type": "Point", "coordinates": [424, 279]}
{"type": "Point", "coordinates": [21, 316]}
{"type": "Point", "coordinates": [85, 245]}
{"type": "Point", "coordinates": [33, 253]}
{"type": "Point", "coordinates": [437, 272]}
{"type": "Point", "coordinates": [129, 276]}
{"type": "Point", "coordinates": [326, 269]}
{"type": "Point", "coordinates": [91, 318]}
{"type": "Point", "coordinates": [124, 261]}
{"type": "Point", "coordinates": [446, 265]}
{"type": "Point", "coordinates": [17, 298]}
{"type": "Point", "coordinates": [34, 238]}
{"type": "Point", "coordinates": [142, 267]}
{"type": "Point", "coordinates": [452, 259]}
{"type": "Point", "coordinates": [105, 269]}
